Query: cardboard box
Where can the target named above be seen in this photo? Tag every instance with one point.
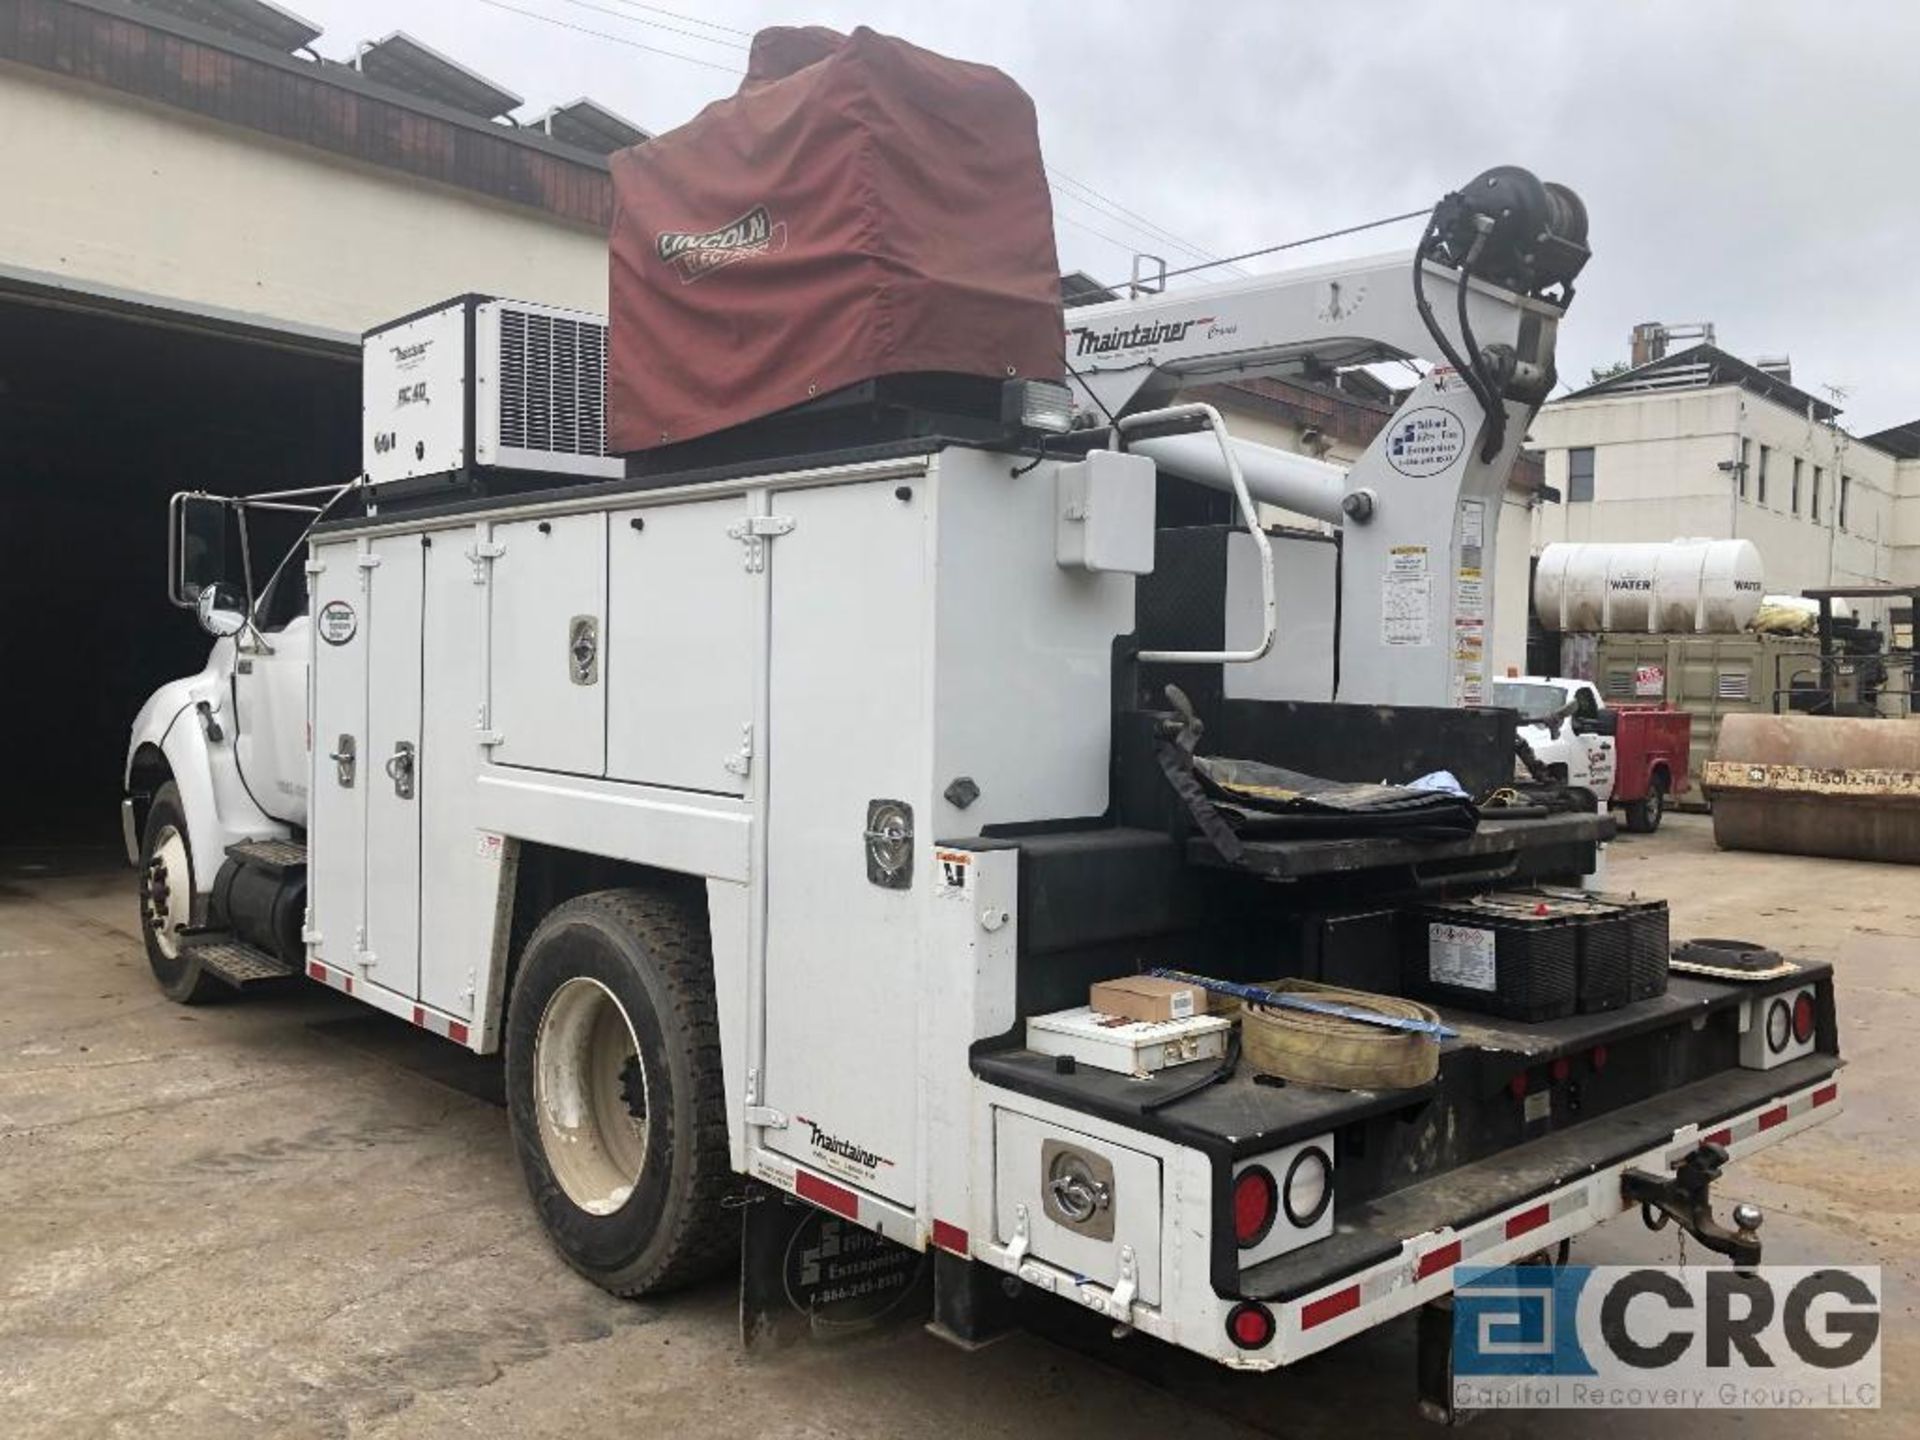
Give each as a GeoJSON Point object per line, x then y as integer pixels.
{"type": "Point", "coordinates": [1145, 997]}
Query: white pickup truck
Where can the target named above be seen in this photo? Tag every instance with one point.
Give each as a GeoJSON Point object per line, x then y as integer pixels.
{"type": "Point", "coordinates": [1568, 727]}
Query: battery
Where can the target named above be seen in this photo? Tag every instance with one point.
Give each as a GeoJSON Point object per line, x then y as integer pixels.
{"type": "Point", "coordinates": [1491, 957]}
{"type": "Point", "coordinates": [1648, 935]}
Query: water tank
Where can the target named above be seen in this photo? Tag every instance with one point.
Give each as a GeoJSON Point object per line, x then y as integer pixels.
{"type": "Point", "coordinates": [1675, 587]}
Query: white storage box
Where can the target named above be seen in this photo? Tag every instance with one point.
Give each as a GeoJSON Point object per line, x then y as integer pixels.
{"type": "Point", "coordinates": [1128, 1047]}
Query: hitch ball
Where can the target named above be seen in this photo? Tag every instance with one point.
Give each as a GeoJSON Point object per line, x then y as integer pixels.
{"type": "Point", "coordinates": [1747, 1217]}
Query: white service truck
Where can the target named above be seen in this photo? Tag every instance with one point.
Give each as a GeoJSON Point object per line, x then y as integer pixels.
{"type": "Point", "coordinates": [755, 811]}
{"type": "Point", "coordinates": [1567, 727]}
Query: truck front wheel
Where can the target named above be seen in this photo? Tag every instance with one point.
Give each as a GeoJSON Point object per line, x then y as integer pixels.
{"type": "Point", "coordinates": [1643, 815]}
{"type": "Point", "coordinates": [166, 900]}
{"type": "Point", "coordinates": [614, 1091]}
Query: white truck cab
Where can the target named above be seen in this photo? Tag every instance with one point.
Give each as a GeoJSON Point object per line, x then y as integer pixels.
{"type": "Point", "coordinates": [1568, 727]}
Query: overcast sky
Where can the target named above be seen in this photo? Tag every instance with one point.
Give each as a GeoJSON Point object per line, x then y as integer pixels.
{"type": "Point", "coordinates": [1750, 163]}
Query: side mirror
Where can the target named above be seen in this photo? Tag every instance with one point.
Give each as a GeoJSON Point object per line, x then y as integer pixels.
{"type": "Point", "coordinates": [222, 610]}
{"type": "Point", "coordinates": [1607, 722]}
{"type": "Point", "coordinates": [197, 530]}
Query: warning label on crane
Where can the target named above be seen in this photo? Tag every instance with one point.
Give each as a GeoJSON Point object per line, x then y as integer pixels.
{"type": "Point", "coordinates": [1406, 597]}
{"type": "Point", "coordinates": [1470, 608]}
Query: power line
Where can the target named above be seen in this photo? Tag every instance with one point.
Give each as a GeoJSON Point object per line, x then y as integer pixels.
{"type": "Point", "coordinates": [656, 24]}
{"type": "Point", "coordinates": [1141, 222]}
{"type": "Point", "coordinates": [631, 44]}
{"type": "Point", "coordinates": [1296, 244]}
{"type": "Point", "coordinates": [1125, 245]}
{"type": "Point", "coordinates": [690, 19]}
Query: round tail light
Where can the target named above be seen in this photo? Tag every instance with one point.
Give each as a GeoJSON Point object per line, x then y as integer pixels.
{"type": "Point", "coordinates": [1803, 1016]}
{"type": "Point", "coordinates": [1779, 1025]}
{"type": "Point", "coordinates": [1250, 1325]}
{"type": "Point", "coordinates": [1256, 1200]}
{"type": "Point", "coordinates": [1308, 1189]}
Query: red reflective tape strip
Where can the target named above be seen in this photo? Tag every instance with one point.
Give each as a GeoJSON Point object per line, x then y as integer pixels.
{"type": "Point", "coordinates": [950, 1237]}
{"type": "Point", "coordinates": [456, 1032]}
{"type": "Point", "coordinates": [1528, 1220]}
{"type": "Point", "coordinates": [1825, 1094]}
{"type": "Point", "coordinates": [811, 1187]}
{"type": "Point", "coordinates": [419, 1017]}
{"type": "Point", "coordinates": [346, 983]}
{"type": "Point", "coordinates": [1721, 1137]}
{"type": "Point", "coordinates": [316, 971]}
{"type": "Point", "coordinates": [1329, 1307]}
{"type": "Point", "coordinates": [1771, 1118]}
{"type": "Point", "coordinates": [1436, 1260]}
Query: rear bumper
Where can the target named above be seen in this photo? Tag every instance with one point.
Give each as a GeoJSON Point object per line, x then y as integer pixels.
{"type": "Point", "coordinates": [1496, 1212]}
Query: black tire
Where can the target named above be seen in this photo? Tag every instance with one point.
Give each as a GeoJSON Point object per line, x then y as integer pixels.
{"type": "Point", "coordinates": [1644, 815]}
{"type": "Point", "coordinates": [652, 955]}
{"type": "Point", "coordinates": [179, 974]}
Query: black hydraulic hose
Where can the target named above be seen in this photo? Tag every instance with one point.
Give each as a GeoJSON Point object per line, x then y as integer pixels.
{"type": "Point", "coordinates": [1469, 373]}
{"type": "Point", "coordinates": [1496, 408]}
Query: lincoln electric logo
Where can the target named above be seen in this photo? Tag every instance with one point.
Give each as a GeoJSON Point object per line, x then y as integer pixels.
{"type": "Point", "coordinates": [1089, 341]}
{"type": "Point", "coordinates": [845, 1149]}
{"type": "Point", "coordinates": [697, 254]}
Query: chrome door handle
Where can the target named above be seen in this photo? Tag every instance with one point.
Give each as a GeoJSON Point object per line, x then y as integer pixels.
{"type": "Point", "coordinates": [399, 768]}
{"type": "Point", "coordinates": [342, 756]}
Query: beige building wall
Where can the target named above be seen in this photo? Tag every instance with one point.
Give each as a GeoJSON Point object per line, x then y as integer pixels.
{"type": "Point", "coordinates": [1658, 476]}
{"type": "Point", "coordinates": [239, 224]}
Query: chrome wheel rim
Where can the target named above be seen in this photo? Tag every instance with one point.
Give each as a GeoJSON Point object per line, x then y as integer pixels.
{"type": "Point", "coordinates": [590, 1095]}
{"type": "Point", "coordinates": [167, 894]}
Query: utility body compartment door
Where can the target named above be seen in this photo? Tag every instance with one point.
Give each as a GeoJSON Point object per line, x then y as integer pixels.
{"type": "Point", "coordinates": [681, 610]}
{"type": "Point", "coordinates": [548, 599]}
{"type": "Point", "coordinates": [336, 809]}
{"type": "Point", "coordinates": [392, 766]}
{"type": "Point", "coordinates": [848, 700]}
{"type": "Point", "coordinates": [364, 841]}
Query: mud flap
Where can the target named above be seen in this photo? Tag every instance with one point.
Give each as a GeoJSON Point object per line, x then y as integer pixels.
{"type": "Point", "coordinates": [1433, 1363]}
{"type": "Point", "coordinates": [809, 1275]}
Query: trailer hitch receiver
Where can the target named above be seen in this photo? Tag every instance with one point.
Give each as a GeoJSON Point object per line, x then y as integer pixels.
{"type": "Point", "coordinates": [1686, 1197]}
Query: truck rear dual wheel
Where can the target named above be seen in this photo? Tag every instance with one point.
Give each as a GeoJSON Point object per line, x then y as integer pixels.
{"type": "Point", "coordinates": [166, 900]}
{"type": "Point", "coordinates": [614, 1091]}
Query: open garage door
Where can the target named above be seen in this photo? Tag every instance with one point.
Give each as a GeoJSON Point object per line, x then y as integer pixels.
{"type": "Point", "coordinates": [104, 415]}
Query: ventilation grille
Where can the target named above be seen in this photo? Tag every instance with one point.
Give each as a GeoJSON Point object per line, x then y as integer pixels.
{"type": "Point", "coordinates": [1734, 685]}
{"type": "Point", "coordinates": [553, 383]}
{"type": "Point", "coordinates": [1619, 684]}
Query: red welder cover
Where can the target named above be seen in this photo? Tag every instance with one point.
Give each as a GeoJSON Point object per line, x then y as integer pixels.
{"type": "Point", "coordinates": [861, 208]}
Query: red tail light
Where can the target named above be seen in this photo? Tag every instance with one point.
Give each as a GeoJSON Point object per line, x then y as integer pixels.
{"type": "Point", "coordinates": [1250, 1324]}
{"type": "Point", "coordinates": [1803, 1016]}
{"type": "Point", "coordinates": [1256, 1200]}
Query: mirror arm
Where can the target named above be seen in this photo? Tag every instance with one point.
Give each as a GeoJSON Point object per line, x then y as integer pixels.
{"type": "Point", "coordinates": [249, 638]}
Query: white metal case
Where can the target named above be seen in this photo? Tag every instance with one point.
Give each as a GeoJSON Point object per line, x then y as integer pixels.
{"type": "Point", "coordinates": [413, 377]}
{"type": "Point", "coordinates": [489, 384]}
{"type": "Point", "coordinates": [1137, 1047]}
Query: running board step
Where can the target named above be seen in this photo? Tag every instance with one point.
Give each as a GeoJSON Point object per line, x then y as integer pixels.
{"type": "Point", "coordinates": [237, 962]}
{"type": "Point", "coordinates": [276, 857]}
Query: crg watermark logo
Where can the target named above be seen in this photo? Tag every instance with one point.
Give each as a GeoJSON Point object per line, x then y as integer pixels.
{"type": "Point", "coordinates": [1665, 1338]}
